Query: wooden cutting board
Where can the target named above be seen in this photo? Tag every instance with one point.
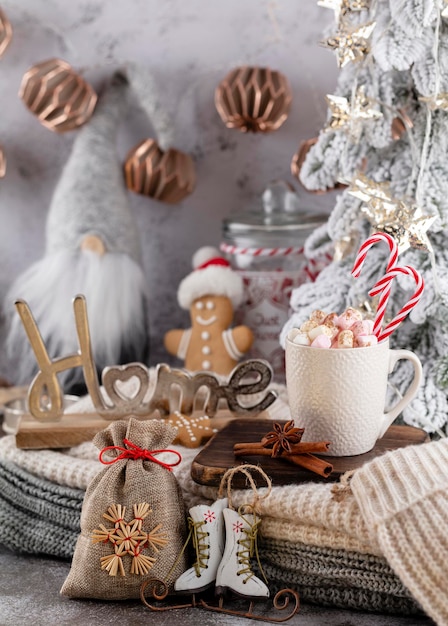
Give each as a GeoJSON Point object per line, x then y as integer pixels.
{"type": "Point", "coordinates": [75, 428]}
{"type": "Point", "coordinates": [217, 456]}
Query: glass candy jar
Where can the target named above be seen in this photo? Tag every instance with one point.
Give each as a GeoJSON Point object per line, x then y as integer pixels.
{"type": "Point", "coordinates": [266, 248]}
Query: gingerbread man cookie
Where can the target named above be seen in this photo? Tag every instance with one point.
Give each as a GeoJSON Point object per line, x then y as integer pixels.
{"type": "Point", "coordinates": [210, 292]}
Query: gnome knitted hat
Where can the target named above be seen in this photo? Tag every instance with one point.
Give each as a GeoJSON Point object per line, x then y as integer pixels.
{"type": "Point", "coordinates": [90, 197]}
{"type": "Point", "coordinates": [212, 276]}
{"type": "Point", "coordinates": [89, 203]}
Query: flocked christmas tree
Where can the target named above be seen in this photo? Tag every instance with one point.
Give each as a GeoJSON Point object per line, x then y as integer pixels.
{"type": "Point", "coordinates": [387, 138]}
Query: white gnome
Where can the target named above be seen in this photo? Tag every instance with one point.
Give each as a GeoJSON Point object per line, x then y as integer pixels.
{"type": "Point", "coordinates": [92, 248]}
{"type": "Point", "coordinates": [211, 293]}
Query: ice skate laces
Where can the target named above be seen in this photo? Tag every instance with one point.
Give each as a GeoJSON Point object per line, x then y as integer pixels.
{"type": "Point", "coordinates": [200, 544]}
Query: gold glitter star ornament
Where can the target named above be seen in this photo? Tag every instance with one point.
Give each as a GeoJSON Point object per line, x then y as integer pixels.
{"type": "Point", "coordinates": [350, 116]}
{"type": "Point", "coordinates": [400, 218]}
{"type": "Point", "coordinates": [408, 227]}
{"type": "Point", "coordinates": [368, 190]}
{"type": "Point", "coordinates": [345, 246]}
{"type": "Point", "coordinates": [436, 101]}
{"type": "Point", "coordinates": [445, 8]}
{"type": "Point", "coordinates": [350, 44]}
{"type": "Point", "coordinates": [342, 8]}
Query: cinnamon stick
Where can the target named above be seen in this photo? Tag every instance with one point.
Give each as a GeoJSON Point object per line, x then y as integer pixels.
{"type": "Point", "coordinates": [256, 444]}
{"type": "Point", "coordinates": [305, 460]}
{"type": "Point", "coordinates": [312, 463]}
{"type": "Point", "coordinates": [284, 441]}
{"type": "Point", "coordinates": [299, 448]}
{"type": "Point", "coordinates": [312, 446]}
{"type": "Point", "coordinates": [253, 451]}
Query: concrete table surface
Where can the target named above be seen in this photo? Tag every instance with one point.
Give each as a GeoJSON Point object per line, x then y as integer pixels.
{"type": "Point", "coordinates": [29, 594]}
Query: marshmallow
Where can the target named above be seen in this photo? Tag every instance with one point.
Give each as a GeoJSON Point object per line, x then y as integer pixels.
{"type": "Point", "coordinates": [308, 325]}
{"type": "Point", "coordinates": [334, 343]}
{"type": "Point", "coordinates": [320, 330]}
{"type": "Point", "coordinates": [323, 330]}
{"type": "Point", "coordinates": [364, 341]}
{"type": "Point", "coordinates": [362, 328]}
{"type": "Point", "coordinates": [345, 339]}
{"type": "Point", "coordinates": [301, 339]}
{"type": "Point", "coordinates": [292, 333]}
{"type": "Point", "coordinates": [321, 341]}
{"type": "Point", "coordinates": [331, 319]}
{"type": "Point", "coordinates": [333, 328]}
{"type": "Point", "coordinates": [318, 316]}
{"type": "Point", "coordinates": [348, 318]}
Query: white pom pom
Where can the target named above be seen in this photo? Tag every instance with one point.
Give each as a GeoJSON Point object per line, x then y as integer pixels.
{"type": "Point", "coordinates": [203, 255]}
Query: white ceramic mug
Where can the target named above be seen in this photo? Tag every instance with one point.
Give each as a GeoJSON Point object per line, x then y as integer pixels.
{"type": "Point", "coordinates": [339, 395]}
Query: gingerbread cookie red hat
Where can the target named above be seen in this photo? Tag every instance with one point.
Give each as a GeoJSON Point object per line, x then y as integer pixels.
{"type": "Point", "coordinates": [212, 275]}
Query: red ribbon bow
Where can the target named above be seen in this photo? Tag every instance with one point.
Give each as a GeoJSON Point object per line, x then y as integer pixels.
{"type": "Point", "coordinates": [134, 452]}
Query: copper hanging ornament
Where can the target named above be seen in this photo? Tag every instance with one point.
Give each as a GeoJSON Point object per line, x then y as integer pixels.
{"type": "Point", "coordinates": [297, 162]}
{"type": "Point", "coordinates": [400, 125]}
{"type": "Point", "coordinates": [60, 98]}
{"type": "Point", "coordinates": [255, 99]}
{"type": "Point", "coordinates": [5, 32]}
{"type": "Point", "coordinates": [2, 163]}
{"type": "Point", "coordinates": [168, 176]}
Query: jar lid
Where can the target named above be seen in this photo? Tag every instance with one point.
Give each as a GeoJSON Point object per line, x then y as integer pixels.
{"type": "Point", "coordinates": [279, 214]}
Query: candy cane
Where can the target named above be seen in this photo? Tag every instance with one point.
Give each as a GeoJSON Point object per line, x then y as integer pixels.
{"type": "Point", "coordinates": [359, 262]}
{"type": "Point", "coordinates": [371, 241]}
{"type": "Point", "coordinates": [383, 286]}
{"type": "Point", "coordinates": [229, 249]}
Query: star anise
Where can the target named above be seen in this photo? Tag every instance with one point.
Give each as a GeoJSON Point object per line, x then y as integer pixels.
{"type": "Point", "coordinates": [282, 437]}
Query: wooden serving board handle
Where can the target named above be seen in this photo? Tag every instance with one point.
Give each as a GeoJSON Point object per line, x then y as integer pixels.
{"type": "Point", "coordinates": [76, 428]}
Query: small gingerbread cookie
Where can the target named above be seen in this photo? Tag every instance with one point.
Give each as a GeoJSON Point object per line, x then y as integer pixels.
{"type": "Point", "coordinates": [210, 292]}
{"type": "Point", "coordinates": [191, 431]}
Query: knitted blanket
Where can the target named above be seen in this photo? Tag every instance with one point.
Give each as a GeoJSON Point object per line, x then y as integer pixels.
{"type": "Point", "coordinates": [41, 517]}
{"type": "Point", "coordinates": [36, 515]}
{"type": "Point", "coordinates": [395, 506]}
{"type": "Point", "coordinates": [308, 512]}
{"type": "Point", "coordinates": [335, 577]}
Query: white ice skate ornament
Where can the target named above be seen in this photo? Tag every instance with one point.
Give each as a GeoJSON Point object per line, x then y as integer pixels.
{"type": "Point", "coordinates": [207, 531]}
{"type": "Point", "coordinates": [225, 541]}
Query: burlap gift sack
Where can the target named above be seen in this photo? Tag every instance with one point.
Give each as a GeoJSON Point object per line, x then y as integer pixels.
{"type": "Point", "coordinates": [132, 520]}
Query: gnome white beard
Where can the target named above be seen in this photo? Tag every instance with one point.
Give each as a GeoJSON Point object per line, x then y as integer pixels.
{"type": "Point", "coordinates": [115, 291]}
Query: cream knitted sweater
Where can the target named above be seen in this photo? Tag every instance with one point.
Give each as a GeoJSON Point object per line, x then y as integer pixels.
{"type": "Point", "coordinates": [403, 496]}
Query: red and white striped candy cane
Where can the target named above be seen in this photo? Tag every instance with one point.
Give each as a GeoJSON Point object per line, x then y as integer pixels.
{"type": "Point", "coordinates": [383, 286]}
{"type": "Point", "coordinates": [371, 241]}
{"type": "Point", "coordinates": [311, 269]}
{"type": "Point", "coordinates": [359, 262]}
{"type": "Point", "coordinates": [270, 252]}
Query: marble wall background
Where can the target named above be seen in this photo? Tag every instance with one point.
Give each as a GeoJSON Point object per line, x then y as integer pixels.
{"type": "Point", "coordinates": [191, 45]}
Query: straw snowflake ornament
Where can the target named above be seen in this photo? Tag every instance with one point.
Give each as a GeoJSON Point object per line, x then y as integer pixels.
{"type": "Point", "coordinates": [129, 538]}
